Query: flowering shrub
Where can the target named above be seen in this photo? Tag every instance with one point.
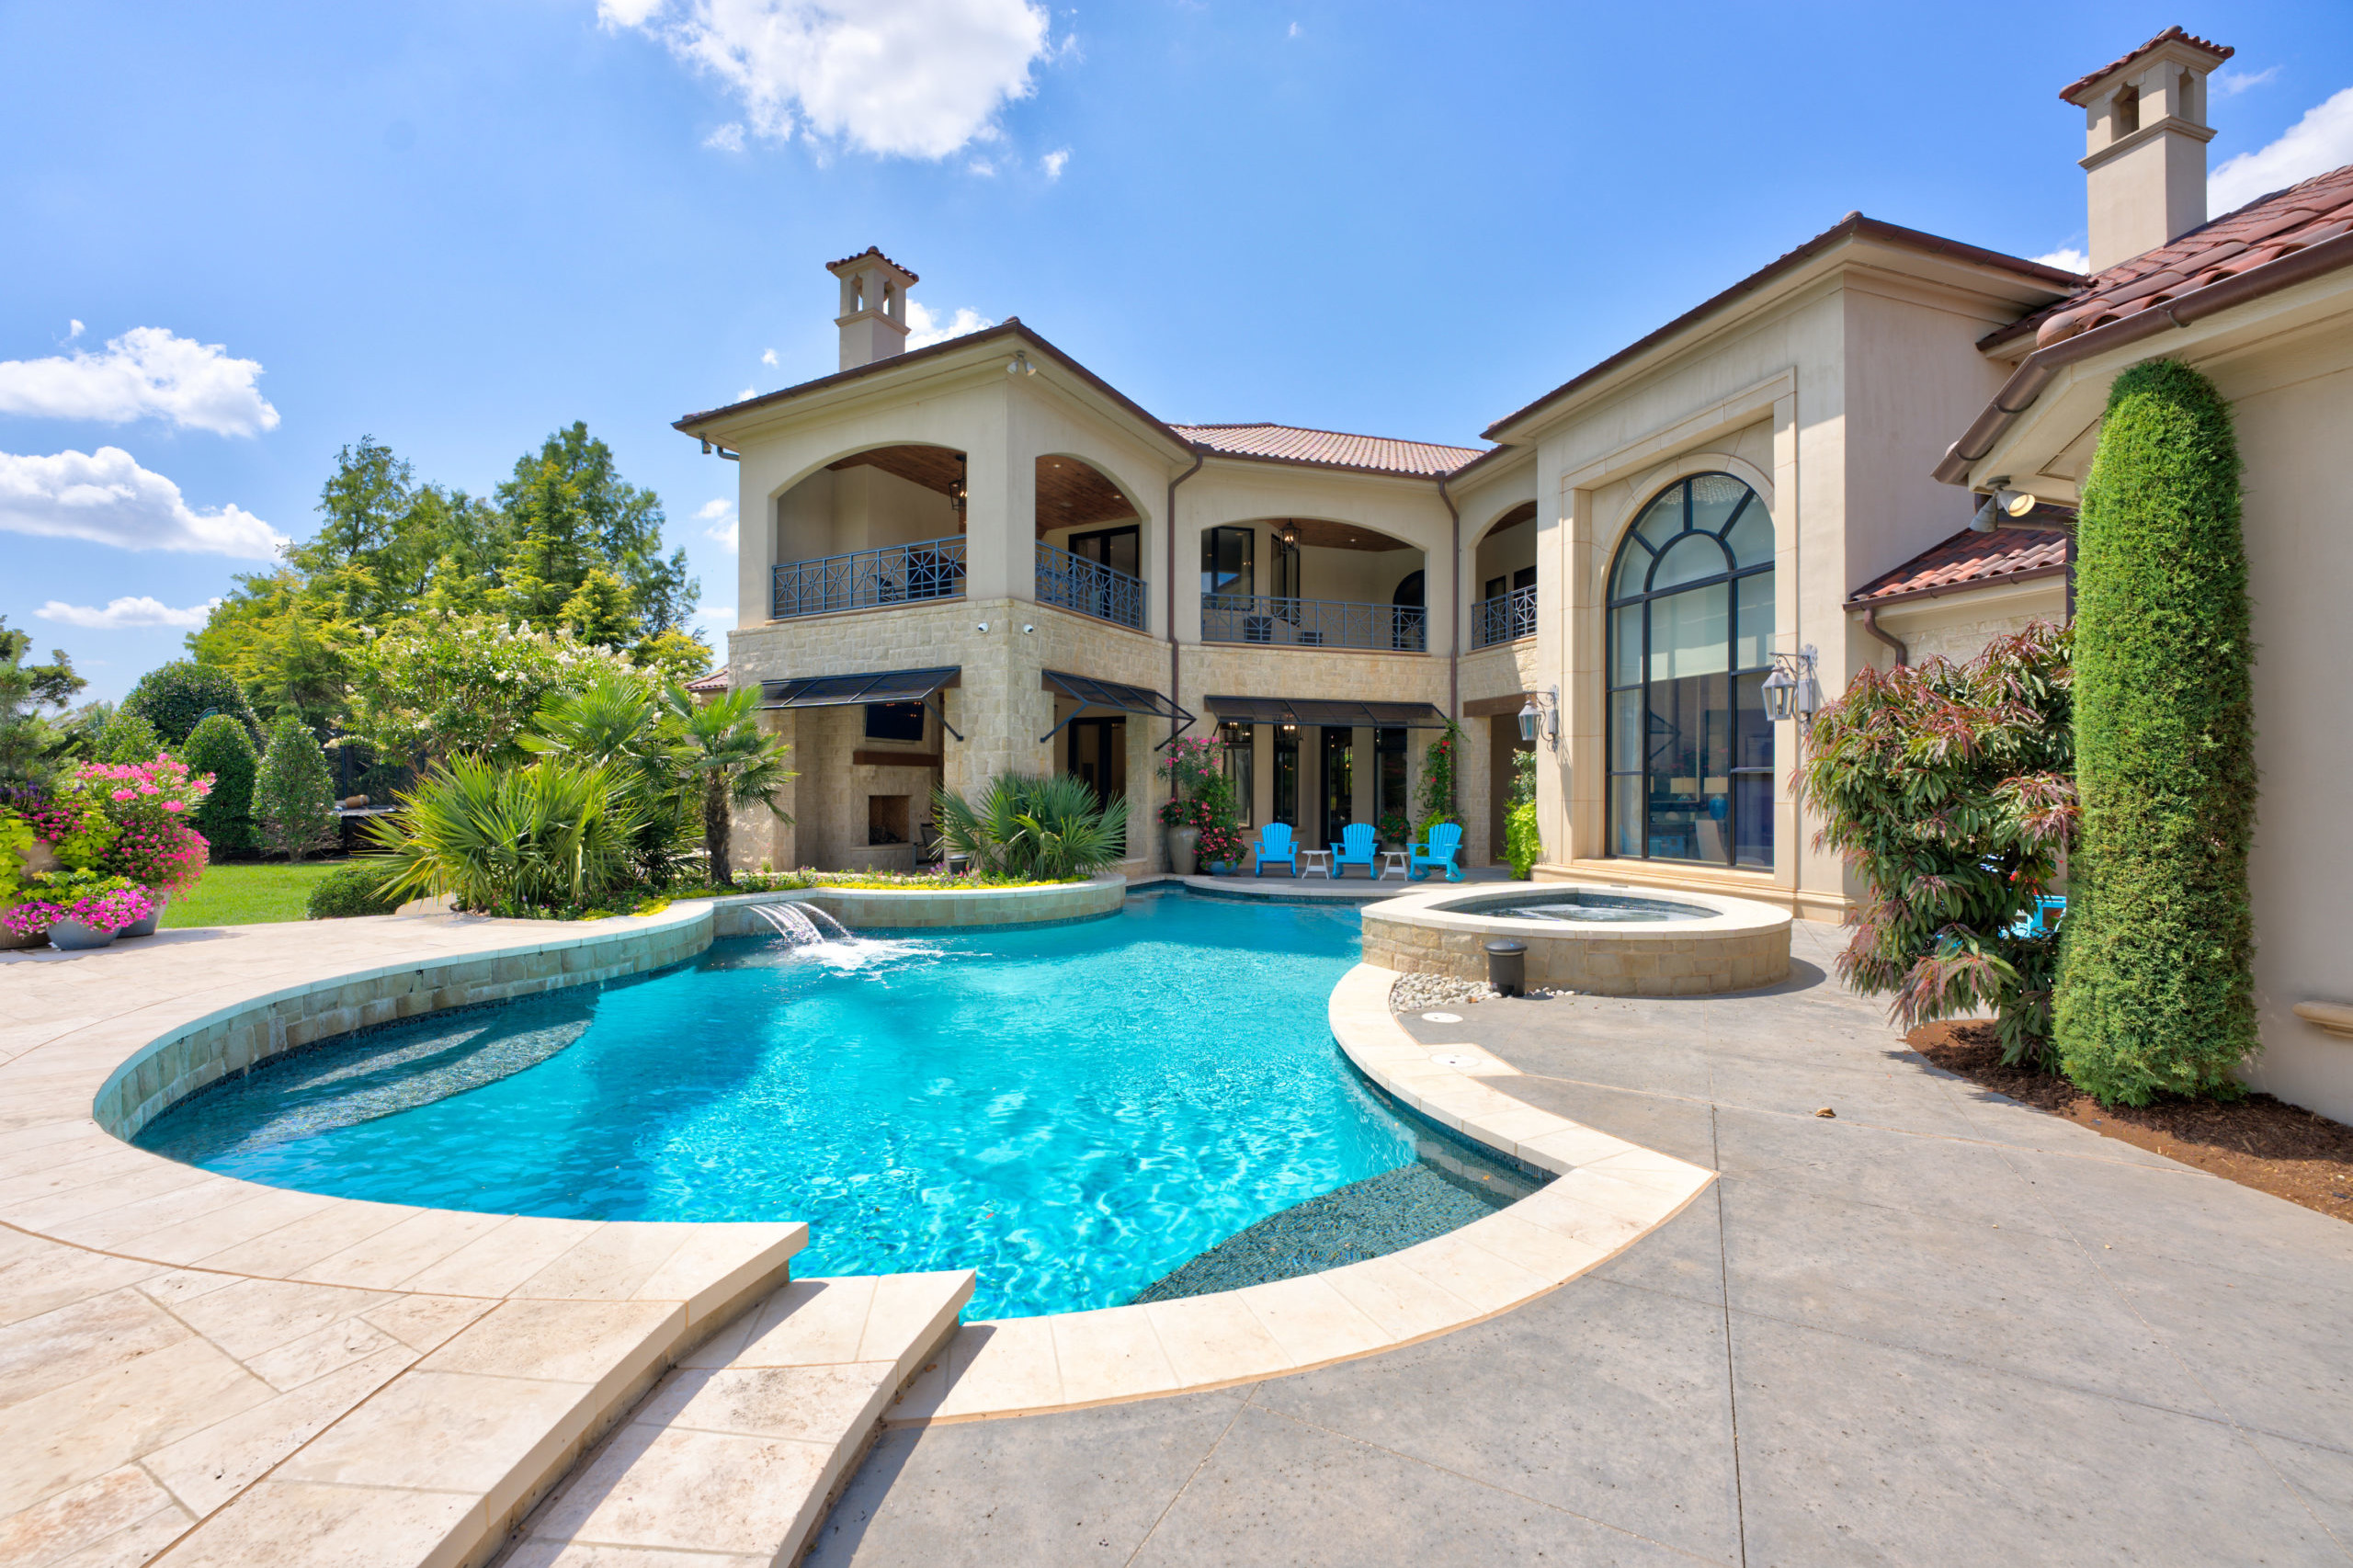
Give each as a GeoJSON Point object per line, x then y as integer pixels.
{"type": "Point", "coordinates": [447, 684]}
{"type": "Point", "coordinates": [73, 826]}
{"type": "Point", "coordinates": [1220, 844]}
{"type": "Point", "coordinates": [147, 805]}
{"type": "Point", "coordinates": [104, 904]}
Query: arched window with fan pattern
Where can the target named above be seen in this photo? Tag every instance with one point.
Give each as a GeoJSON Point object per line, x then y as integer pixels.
{"type": "Point", "coordinates": [1690, 608]}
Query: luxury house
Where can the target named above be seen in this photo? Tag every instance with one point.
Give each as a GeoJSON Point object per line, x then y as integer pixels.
{"type": "Point", "coordinates": [980, 556]}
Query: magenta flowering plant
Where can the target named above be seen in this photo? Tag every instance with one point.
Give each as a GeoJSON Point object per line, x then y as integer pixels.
{"type": "Point", "coordinates": [104, 904]}
{"type": "Point", "coordinates": [147, 804]}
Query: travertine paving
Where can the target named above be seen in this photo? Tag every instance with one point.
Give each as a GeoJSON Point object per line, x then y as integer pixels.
{"type": "Point", "coordinates": [1934, 1328]}
{"type": "Point", "coordinates": [216, 1372]}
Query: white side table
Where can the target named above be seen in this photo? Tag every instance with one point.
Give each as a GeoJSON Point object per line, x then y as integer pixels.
{"type": "Point", "coordinates": [1315, 860]}
{"type": "Point", "coordinates": [1391, 860]}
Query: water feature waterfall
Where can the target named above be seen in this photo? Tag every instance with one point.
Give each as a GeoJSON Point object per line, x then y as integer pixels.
{"type": "Point", "coordinates": [801, 924]}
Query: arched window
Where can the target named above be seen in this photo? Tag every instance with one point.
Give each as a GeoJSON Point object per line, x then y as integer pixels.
{"type": "Point", "coordinates": [1690, 636]}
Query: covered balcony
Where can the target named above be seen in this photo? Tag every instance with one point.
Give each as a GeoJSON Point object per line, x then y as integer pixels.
{"type": "Point", "coordinates": [1329, 584]}
{"type": "Point", "coordinates": [1090, 544]}
{"type": "Point", "coordinates": [1503, 572]}
{"type": "Point", "coordinates": [882, 526]}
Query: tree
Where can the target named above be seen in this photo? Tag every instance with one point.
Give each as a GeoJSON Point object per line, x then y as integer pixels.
{"type": "Point", "coordinates": [1947, 788]}
{"type": "Point", "coordinates": [176, 697]}
{"type": "Point", "coordinates": [223, 748]}
{"type": "Point", "coordinates": [598, 613]}
{"type": "Point", "coordinates": [293, 799]}
{"type": "Point", "coordinates": [441, 686]}
{"type": "Point", "coordinates": [617, 723]}
{"type": "Point", "coordinates": [28, 743]}
{"type": "Point", "coordinates": [2156, 991]}
{"type": "Point", "coordinates": [722, 746]}
{"type": "Point", "coordinates": [568, 510]}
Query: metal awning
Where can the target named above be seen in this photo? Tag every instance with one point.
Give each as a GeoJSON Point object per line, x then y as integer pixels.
{"type": "Point", "coordinates": [1090, 693]}
{"type": "Point", "coordinates": [887, 686]}
{"type": "Point", "coordinates": [1322, 711]}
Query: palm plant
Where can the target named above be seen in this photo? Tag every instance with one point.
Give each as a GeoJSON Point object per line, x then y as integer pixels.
{"type": "Point", "coordinates": [554, 836]}
{"type": "Point", "coordinates": [1034, 829]}
{"type": "Point", "coordinates": [721, 744]}
{"type": "Point", "coordinates": [616, 723]}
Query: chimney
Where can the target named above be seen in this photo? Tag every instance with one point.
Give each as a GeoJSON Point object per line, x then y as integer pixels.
{"type": "Point", "coordinates": [875, 307]}
{"type": "Point", "coordinates": [2144, 144]}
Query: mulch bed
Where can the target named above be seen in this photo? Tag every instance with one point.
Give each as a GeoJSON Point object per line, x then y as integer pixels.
{"type": "Point", "coordinates": [2259, 1142]}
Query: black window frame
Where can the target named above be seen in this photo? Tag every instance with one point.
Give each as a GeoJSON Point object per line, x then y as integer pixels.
{"type": "Point", "coordinates": [1743, 683]}
{"type": "Point", "coordinates": [1244, 583]}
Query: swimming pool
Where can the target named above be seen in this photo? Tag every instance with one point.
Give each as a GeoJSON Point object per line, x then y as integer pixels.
{"type": "Point", "coordinates": [1073, 1111]}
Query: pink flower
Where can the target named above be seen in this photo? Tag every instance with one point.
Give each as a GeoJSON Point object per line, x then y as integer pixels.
{"type": "Point", "coordinates": [122, 794]}
{"type": "Point", "coordinates": [174, 806]}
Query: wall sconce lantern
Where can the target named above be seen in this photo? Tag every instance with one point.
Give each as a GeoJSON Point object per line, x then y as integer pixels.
{"type": "Point", "coordinates": [1541, 712]}
{"type": "Point", "coordinates": [1792, 691]}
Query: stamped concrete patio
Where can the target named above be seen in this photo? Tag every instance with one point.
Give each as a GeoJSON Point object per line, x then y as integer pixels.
{"type": "Point", "coordinates": [1934, 1328]}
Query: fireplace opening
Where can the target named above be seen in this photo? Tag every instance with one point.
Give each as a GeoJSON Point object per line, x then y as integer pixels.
{"type": "Point", "coordinates": [886, 819]}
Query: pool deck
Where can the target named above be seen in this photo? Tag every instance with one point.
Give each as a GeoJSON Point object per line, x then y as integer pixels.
{"type": "Point", "coordinates": [1936, 1329]}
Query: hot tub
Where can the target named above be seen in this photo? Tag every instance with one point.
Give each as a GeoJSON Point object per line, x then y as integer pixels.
{"type": "Point", "coordinates": [1607, 941]}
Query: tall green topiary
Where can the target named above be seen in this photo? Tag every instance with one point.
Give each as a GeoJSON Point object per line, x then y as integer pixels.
{"type": "Point", "coordinates": [2154, 992]}
{"type": "Point", "coordinates": [293, 802]}
{"type": "Point", "coordinates": [220, 746]}
{"type": "Point", "coordinates": [175, 697]}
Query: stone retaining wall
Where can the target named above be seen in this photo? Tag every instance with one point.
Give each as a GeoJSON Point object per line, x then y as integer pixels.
{"type": "Point", "coordinates": [870, 909]}
{"type": "Point", "coordinates": [259, 1027]}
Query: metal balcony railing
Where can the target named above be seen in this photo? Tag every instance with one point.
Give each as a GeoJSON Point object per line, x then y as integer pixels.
{"type": "Point", "coordinates": [900, 573]}
{"type": "Point", "coordinates": [1089, 588]}
{"type": "Point", "coordinates": [1312, 623]}
{"type": "Point", "coordinates": [1504, 618]}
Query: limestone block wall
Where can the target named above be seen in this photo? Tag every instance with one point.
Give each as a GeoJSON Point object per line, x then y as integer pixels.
{"type": "Point", "coordinates": [252, 1031]}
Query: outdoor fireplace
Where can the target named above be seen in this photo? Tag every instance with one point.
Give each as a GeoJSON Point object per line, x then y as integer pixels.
{"type": "Point", "coordinates": [886, 819]}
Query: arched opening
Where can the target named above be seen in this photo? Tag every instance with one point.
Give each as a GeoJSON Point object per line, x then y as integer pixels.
{"type": "Point", "coordinates": [883, 526]}
{"type": "Point", "coordinates": [1689, 747]}
{"type": "Point", "coordinates": [1503, 574]}
{"type": "Point", "coordinates": [1309, 582]}
{"type": "Point", "coordinates": [1090, 544]}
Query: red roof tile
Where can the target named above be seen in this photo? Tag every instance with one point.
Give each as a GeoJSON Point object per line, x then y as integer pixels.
{"type": "Point", "coordinates": [2264, 230]}
{"type": "Point", "coordinates": [2218, 50]}
{"type": "Point", "coordinates": [1969, 559]}
{"type": "Point", "coordinates": [870, 250]}
{"type": "Point", "coordinates": [715, 681]}
{"type": "Point", "coordinates": [1329, 448]}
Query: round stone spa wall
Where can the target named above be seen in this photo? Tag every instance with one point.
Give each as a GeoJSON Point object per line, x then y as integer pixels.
{"type": "Point", "coordinates": [1742, 946]}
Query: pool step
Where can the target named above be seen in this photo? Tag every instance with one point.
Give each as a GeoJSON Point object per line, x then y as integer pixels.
{"type": "Point", "coordinates": [734, 1455]}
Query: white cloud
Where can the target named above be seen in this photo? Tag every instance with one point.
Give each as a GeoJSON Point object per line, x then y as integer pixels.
{"type": "Point", "coordinates": [106, 497]}
{"type": "Point", "coordinates": [981, 168]}
{"type": "Point", "coordinates": [903, 78]}
{"type": "Point", "coordinates": [721, 516]}
{"type": "Point", "coordinates": [728, 138]}
{"type": "Point", "coordinates": [747, 393]}
{"type": "Point", "coordinates": [127, 612]}
{"type": "Point", "coordinates": [768, 356]}
{"type": "Point", "coordinates": [1055, 161]}
{"type": "Point", "coordinates": [924, 328]}
{"type": "Point", "coordinates": [148, 372]}
{"type": "Point", "coordinates": [2320, 141]}
{"type": "Point", "coordinates": [2230, 84]}
{"type": "Point", "coordinates": [74, 330]}
{"type": "Point", "coordinates": [1294, 30]}
{"type": "Point", "coordinates": [2068, 258]}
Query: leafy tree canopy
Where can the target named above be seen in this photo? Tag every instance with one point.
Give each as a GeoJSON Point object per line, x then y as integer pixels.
{"type": "Point", "coordinates": [30, 742]}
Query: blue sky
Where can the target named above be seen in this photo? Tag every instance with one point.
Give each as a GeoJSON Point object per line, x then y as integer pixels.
{"type": "Point", "coordinates": [459, 226]}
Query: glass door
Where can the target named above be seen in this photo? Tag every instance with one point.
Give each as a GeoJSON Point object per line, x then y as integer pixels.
{"type": "Point", "coordinates": [1339, 781]}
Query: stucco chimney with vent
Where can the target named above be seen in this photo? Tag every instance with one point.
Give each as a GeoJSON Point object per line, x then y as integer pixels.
{"type": "Point", "coordinates": [875, 307]}
{"type": "Point", "coordinates": [2144, 144]}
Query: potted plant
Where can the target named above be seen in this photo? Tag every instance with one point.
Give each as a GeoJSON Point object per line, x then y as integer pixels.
{"type": "Point", "coordinates": [146, 807]}
{"type": "Point", "coordinates": [17, 844]}
{"type": "Point", "coordinates": [79, 910]}
{"type": "Point", "coordinates": [1221, 847]}
{"type": "Point", "coordinates": [1394, 830]}
{"type": "Point", "coordinates": [1194, 774]}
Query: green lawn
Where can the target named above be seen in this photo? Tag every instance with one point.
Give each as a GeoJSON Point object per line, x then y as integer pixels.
{"type": "Point", "coordinates": [248, 895]}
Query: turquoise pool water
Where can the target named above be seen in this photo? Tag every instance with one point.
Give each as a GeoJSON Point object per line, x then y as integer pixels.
{"type": "Point", "coordinates": [1073, 1111]}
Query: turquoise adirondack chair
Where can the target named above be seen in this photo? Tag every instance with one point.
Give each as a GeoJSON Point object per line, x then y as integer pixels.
{"type": "Point", "coordinates": [1275, 844]}
{"type": "Point", "coordinates": [1357, 847]}
{"type": "Point", "coordinates": [1445, 841]}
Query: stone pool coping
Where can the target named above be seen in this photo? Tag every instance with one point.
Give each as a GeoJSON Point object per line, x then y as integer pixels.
{"type": "Point", "coordinates": [1743, 944]}
{"type": "Point", "coordinates": [870, 909]}
{"type": "Point", "coordinates": [1606, 1195]}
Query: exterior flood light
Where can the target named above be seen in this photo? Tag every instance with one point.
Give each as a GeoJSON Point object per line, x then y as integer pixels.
{"type": "Point", "coordinates": [1020, 364]}
{"type": "Point", "coordinates": [1792, 691]}
{"type": "Point", "coordinates": [2002, 501]}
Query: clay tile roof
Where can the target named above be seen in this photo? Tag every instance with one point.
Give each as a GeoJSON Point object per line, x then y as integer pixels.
{"type": "Point", "coordinates": [1969, 559]}
{"type": "Point", "coordinates": [715, 681]}
{"type": "Point", "coordinates": [2264, 230]}
{"type": "Point", "coordinates": [2171, 35]}
{"type": "Point", "coordinates": [870, 250]}
{"type": "Point", "coordinates": [1329, 448]}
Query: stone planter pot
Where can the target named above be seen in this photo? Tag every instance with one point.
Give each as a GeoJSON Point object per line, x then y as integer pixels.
{"type": "Point", "coordinates": [73, 937]}
{"type": "Point", "coordinates": [154, 917]}
{"type": "Point", "coordinates": [10, 941]}
{"type": "Point", "coordinates": [1220, 867]}
{"type": "Point", "coordinates": [1182, 844]}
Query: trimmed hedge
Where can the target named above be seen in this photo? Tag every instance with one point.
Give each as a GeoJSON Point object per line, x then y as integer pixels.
{"type": "Point", "coordinates": [2155, 993]}
{"type": "Point", "coordinates": [175, 697]}
{"type": "Point", "coordinates": [353, 890]}
{"type": "Point", "coordinates": [219, 745]}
